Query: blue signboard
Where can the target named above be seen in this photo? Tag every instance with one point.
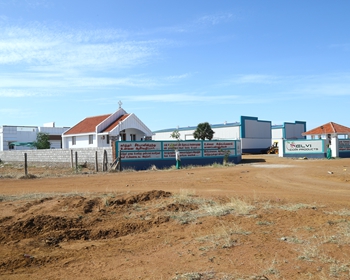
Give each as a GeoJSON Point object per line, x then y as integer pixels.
{"type": "Point", "coordinates": [143, 154]}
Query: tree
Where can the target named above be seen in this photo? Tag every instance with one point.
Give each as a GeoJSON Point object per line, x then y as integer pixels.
{"type": "Point", "coordinates": [203, 131]}
{"type": "Point", "coordinates": [42, 141]}
{"type": "Point", "coordinates": [175, 135]}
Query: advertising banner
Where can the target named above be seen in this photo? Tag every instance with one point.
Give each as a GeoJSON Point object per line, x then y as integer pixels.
{"type": "Point", "coordinates": [304, 147]}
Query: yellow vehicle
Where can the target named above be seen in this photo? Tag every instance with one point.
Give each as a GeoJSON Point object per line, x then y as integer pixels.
{"type": "Point", "coordinates": [274, 148]}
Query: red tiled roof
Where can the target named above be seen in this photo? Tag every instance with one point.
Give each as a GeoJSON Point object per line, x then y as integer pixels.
{"type": "Point", "coordinates": [87, 125]}
{"type": "Point", "coordinates": [328, 128]}
{"type": "Point", "coordinates": [115, 123]}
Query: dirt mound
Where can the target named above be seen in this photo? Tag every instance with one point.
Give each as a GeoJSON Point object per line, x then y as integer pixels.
{"type": "Point", "coordinates": [28, 205]}
{"type": "Point", "coordinates": [91, 204]}
{"type": "Point", "coordinates": [146, 196]}
{"type": "Point", "coordinates": [95, 219]}
{"type": "Point", "coordinates": [38, 226]}
{"type": "Point", "coordinates": [179, 207]}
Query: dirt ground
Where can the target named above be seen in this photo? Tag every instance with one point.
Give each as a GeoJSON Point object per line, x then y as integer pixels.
{"type": "Point", "coordinates": [265, 218]}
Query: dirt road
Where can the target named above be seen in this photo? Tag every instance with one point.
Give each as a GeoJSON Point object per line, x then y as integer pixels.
{"type": "Point", "coordinates": [269, 217]}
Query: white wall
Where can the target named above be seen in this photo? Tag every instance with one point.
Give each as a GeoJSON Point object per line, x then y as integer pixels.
{"type": "Point", "coordinates": [53, 130]}
{"type": "Point", "coordinates": [229, 132]}
{"type": "Point", "coordinates": [162, 136]}
{"type": "Point", "coordinates": [27, 134]}
{"type": "Point", "coordinates": [139, 134]}
{"type": "Point", "coordinates": [184, 135]}
{"type": "Point", "coordinates": [82, 141]}
{"type": "Point", "coordinates": [102, 141]}
{"type": "Point", "coordinates": [17, 134]}
{"type": "Point", "coordinates": [55, 144]}
{"type": "Point", "coordinates": [277, 133]}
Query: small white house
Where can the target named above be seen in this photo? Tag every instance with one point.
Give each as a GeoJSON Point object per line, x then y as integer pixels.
{"type": "Point", "coordinates": [21, 137]}
{"type": "Point", "coordinates": [100, 131]}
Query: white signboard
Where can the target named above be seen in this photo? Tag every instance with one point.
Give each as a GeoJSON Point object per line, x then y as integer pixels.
{"type": "Point", "coordinates": [303, 147]}
{"type": "Point", "coordinates": [183, 154]}
{"type": "Point", "coordinates": [141, 155]}
{"type": "Point", "coordinates": [219, 145]}
{"type": "Point", "coordinates": [344, 145]}
{"type": "Point", "coordinates": [182, 145]}
{"type": "Point", "coordinates": [139, 146]}
{"type": "Point", "coordinates": [217, 153]}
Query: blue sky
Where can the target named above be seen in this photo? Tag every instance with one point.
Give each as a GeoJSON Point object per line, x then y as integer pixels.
{"type": "Point", "coordinates": [174, 63]}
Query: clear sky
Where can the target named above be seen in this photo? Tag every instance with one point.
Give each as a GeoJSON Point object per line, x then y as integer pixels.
{"type": "Point", "coordinates": [175, 62]}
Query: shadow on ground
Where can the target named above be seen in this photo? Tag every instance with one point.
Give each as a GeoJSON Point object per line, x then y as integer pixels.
{"type": "Point", "coordinates": [252, 160]}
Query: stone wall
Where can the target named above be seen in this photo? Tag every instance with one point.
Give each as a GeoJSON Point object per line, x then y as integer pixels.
{"type": "Point", "coordinates": [61, 157]}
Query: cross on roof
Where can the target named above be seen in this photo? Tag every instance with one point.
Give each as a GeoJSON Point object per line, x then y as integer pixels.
{"type": "Point", "coordinates": [120, 104]}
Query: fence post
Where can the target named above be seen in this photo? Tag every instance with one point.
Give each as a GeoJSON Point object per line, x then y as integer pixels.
{"type": "Point", "coordinates": [76, 161]}
{"type": "Point", "coordinates": [96, 162]}
{"type": "Point", "coordinates": [120, 159]}
{"type": "Point", "coordinates": [104, 160]}
{"type": "Point", "coordinates": [25, 164]}
{"type": "Point", "coordinates": [71, 158]}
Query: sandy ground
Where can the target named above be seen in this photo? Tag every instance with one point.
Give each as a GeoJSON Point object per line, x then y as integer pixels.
{"type": "Point", "coordinates": [265, 218]}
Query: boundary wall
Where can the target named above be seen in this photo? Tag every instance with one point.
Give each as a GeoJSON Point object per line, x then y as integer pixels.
{"type": "Point", "coordinates": [141, 155]}
{"type": "Point", "coordinates": [60, 157]}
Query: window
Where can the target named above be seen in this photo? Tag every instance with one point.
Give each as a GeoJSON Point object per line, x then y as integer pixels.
{"type": "Point", "coordinates": [74, 140]}
{"type": "Point", "coordinates": [107, 139]}
{"type": "Point", "coordinates": [132, 137]}
{"type": "Point", "coordinates": [91, 139]}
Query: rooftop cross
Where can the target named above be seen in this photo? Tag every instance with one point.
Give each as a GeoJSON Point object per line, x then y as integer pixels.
{"type": "Point", "coordinates": [120, 104]}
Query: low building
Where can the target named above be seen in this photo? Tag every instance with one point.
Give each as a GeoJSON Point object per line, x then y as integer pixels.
{"type": "Point", "coordinates": [101, 131]}
{"type": "Point", "coordinates": [255, 134]}
{"type": "Point", "coordinates": [13, 137]}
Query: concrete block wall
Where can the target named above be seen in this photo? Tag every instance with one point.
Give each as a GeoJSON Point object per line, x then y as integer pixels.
{"type": "Point", "coordinates": [60, 157]}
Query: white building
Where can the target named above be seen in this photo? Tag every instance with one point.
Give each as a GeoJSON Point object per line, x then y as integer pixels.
{"type": "Point", "coordinates": [255, 135]}
{"type": "Point", "coordinates": [21, 137]}
{"type": "Point", "coordinates": [100, 131]}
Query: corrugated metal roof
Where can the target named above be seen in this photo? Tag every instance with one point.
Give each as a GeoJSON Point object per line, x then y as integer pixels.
{"type": "Point", "coordinates": [328, 128]}
{"type": "Point", "coordinates": [87, 125]}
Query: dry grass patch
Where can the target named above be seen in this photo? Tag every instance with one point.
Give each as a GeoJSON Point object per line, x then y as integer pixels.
{"type": "Point", "coordinates": [295, 207]}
